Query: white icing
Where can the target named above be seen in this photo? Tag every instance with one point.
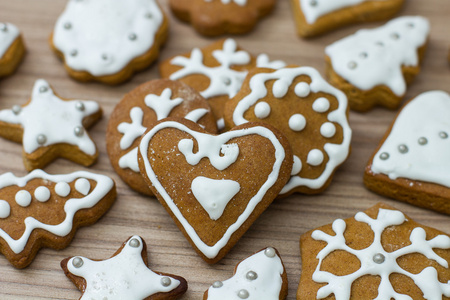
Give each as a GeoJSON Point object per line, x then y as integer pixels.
{"type": "Point", "coordinates": [163, 104]}
{"type": "Point", "coordinates": [131, 131]}
{"type": "Point", "coordinates": [83, 186]}
{"type": "Point", "coordinates": [23, 198]}
{"type": "Point", "coordinates": [426, 280]}
{"type": "Point", "coordinates": [321, 105]}
{"type": "Point", "coordinates": [297, 166]}
{"type": "Point", "coordinates": [5, 209]}
{"type": "Point", "coordinates": [62, 189]}
{"type": "Point", "coordinates": [314, 9]}
{"type": "Point", "coordinates": [104, 185]}
{"type": "Point", "coordinates": [266, 286]}
{"type": "Point", "coordinates": [214, 194]}
{"type": "Point", "coordinates": [263, 61]}
{"type": "Point", "coordinates": [130, 160]}
{"type": "Point", "coordinates": [315, 157]}
{"type": "Point", "coordinates": [46, 114]}
{"type": "Point", "coordinates": [42, 194]}
{"type": "Point", "coordinates": [262, 110]}
{"type": "Point", "coordinates": [374, 57]}
{"type": "Point", "coordinates": [328, 130]}
{"type": "Point", "coordinates": [196, 114]}
{"type": "Point", "coordinates": [214, 146]}
{"type": "Point", "coordinates": [238, 2]}
{"type": "Point", "coordinates": [101, 33]}
{"type": "Point", "coordinates": [302, 89]}
{"type": "Point", "coordinates": [280, 88]}
{"type": "Point", "coordinates": [425, 116]}
{"type": "Point", "coordinates": [297, 122]}
{"type": "Point", "coordinates": [123, 276]}
{"type": "Point", "coordinates": [8, 34]}
{"type": "Point", "coordinates": [336, 153]}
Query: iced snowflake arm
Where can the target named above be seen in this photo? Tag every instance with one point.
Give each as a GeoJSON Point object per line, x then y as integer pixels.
{"type": "Point", "coordinates": [191, 65]}
{"type": "Point", "coordinates": [229, 55]}
{"type": "Point", "coordinates": [263, 61]}
{"type": "Point", "coordinates": [131, 131]}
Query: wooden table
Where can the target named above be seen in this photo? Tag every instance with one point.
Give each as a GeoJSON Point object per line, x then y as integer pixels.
{"type": "Point", "coordinates": [283, 222]}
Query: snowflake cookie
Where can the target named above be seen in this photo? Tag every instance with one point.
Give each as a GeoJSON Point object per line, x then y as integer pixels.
{"type": "Point", "coordinates": [308, 111]}
{"type": "Point", "coordinates": [109, 40]}
{"type": "Point", "coordinates": [411, 163]}
{"type": "Point", "coordinates": [123, 276]}
{"type": "Point", "coordinates": [214, 186]}
{"type": "Point", "coordinates": [50, 127]}
{"type": "Point", "coordinates": [379, 254]}
{"type": "Point", "coordinates": [216, 71]}
{"type": "Point", "coordinates": [42, 210]}
{"type": "Point", "coordinates": [373, 66]}
{"type": "Point", "coordinates": [139, 110]}
{"type": "Point", "coordinates": [259, 276]}
{"type": "Point", "coordinates": [217, 17]}
{"type": "Point", "coordinates": [315, 17]}
{"type": "Point", "coordinates": [12, 49]}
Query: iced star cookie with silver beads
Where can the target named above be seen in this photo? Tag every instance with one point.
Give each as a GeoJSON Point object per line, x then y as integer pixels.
{"type": "Point", "coordinates": [12, 48]}
{"type": "Point", "coordinates": [123, 276]}
{"type": "Point", "coordinates": [49, 127]}
{"type": "Point", "coordinates": [109, 40]}
{"type": "Point", "coordinates": [259, 276]}
{"type": "Point", "coordinates": [43, 210]}
{"type": "Point", "coordinates": [411, 163]}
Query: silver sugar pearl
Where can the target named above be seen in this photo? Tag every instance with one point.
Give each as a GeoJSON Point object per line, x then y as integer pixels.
{"type": "Point", "coordinates": [381, 44]}
{"type": "Point", "coordinates": [104, 56]}
{"type": "Point", "coordinates": [410, 25]}
{"type": "Point", "coordinates": [402, 148]}
{"type": "Point", "coordinates": [135, 243]}
{"type": "Point", "coordinates": [217, 284]}
{"type": "Point", "coordinates": [384, 156]}
{"type": "Point", "coordinates": [251, 275]}
{"type": "Point", "coordinates": [313, 3]}
{"type": "Point", "coordinates": [270, 252]}
{"type": "Point", "coordinates": [443, 135]}
{"type": "Point", "coordinates": [79, 131]}
{"type": "Point", "coordinates": [77, 262]}
{"type": "Point", "coordinates": [363, 55]}
{"type": "Point", "coordinates": [378, 258]}
{"type": "Point", "coordinates": [352, 65]}
{"type": "Point", "coordinates": [395, 36]}
{"type": "Point", "coordinates": [149, 15]}
{"type": "Point", "coordinates": [16, 109]}
{"type": "Point", "coordinates": [243, 294]}
{"type": "Point", "coordinates": [80, 106]}
{"type": "Point", "coordinates": [227, 81]}
{"type": "Point", "coordinates": [165, 281]}
{"type": "Point", "coordinates": [74, 52]}
{"type": "Point", "coordinates": [422, 141]}
{"type": "Point", "coordinates": [67, 25]}
{"type": "Point", "coordinates": [132, 36]}
{"type": "Point", "coordinates": [41, 139]}
{"type": "Point", "coordinates": [3, 27]}
{"type": "Point", "coordinates": [43, 89]}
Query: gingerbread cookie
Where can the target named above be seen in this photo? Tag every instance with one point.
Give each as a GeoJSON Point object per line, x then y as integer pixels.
{"type": "Point", "coordinates": [216, 71]}
{"type": "Point", "coordinates": [260, 276]}
{"type": "Point", "coordinates": [316, 17]}
{"type": "Point", "coordinates": [123, 276]}
{"type": "Point", "coordinates": [374, 66]}
{"type": "Point", "coordinates": [12, 49]}
{"type": "Point", "coordinates": [411, 162]}
{"type": "Point", "coordinates": [214, 186]}
{"type": "Point", "coordinates": [50, 127]}
{"type": "Point", "coordinates": [378, 254]}
{"type": "Point", "coordinates": [308, 111]}
{"type": "Point", "coordinates": [142, 108]}
{"type": "Point", "coordinates": [216, 17]}
{"type": "Point", "coordinates": [109, 40]}
{"type": "Point", "coordinates": [42, 210]}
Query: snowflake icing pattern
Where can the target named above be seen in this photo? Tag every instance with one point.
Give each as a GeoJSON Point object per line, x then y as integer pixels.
{"type": "Point", "coordinates": [376, 261]}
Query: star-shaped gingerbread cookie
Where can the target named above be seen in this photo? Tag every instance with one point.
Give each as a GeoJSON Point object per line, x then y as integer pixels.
{"type": "Point", "coordinates": [50, 127]}
{"type": "Point", "coordinates": [123, 276]}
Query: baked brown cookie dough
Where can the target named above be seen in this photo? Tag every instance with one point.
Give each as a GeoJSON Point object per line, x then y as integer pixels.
{"type": "Point", "coordinates": [12, 49]}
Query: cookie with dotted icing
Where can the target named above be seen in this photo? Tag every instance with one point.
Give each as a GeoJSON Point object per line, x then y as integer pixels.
{"type": "Point", "coordinates": [49, 127]}
{"type": "Point", "coordinates": [411, 164]}
{"type": "Point", "coordinates": [378, 254]}
{"type": "Point", "coordinates": [217, 17]}
{"type": "Point", "coordinates": [43, 210]}
{"type": "Point", "coordinates": [316, 17]}
{"type": "Point", "coordinates": [311, 114]}
{"type": "Point", "coordinates": [216, 71]}
{"type": "Point", "coordinates": [259, 276]}
{"type": "Point", "coordinates": [214, 186]}
{"type": "Point", "coordinates": [141, 109]}
{"type": "Point", "coordinates": [109, 40]}
{"type": "Point", "coordinates": [374, 66]}
{"type": "Point", "coordinates": [125, 275]}
{"type": "Point", "coordinates": [12, 49]}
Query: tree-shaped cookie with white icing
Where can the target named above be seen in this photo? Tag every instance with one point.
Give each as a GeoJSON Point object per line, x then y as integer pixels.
{"type": "Point", "coordinates": [12, 48]}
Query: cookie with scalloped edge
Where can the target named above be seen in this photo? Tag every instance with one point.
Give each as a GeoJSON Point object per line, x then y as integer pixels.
{"type": "Point", "coordinates": [214, 186]}
{"type": "Point", "coordinates": [109, 40]}
{"type": "Point", "coordinates": [42, 210]}
{"type": "Point", "coordinates": [378, 254]}
{"type": "Point", "coordinates": [12, 49]}
{"type": "Point", "coordinates": [217, 17]}
{"type": "Point", "coordinates": [49, 127]}
{"type": "Point", "coordinates": [308, 111]}
{"type": "Point", "coordinates": [125, 275]}
{"type": "Point", "coordinates": [316, 17]}
{"type": "Point", "coordinates": [139, 110]}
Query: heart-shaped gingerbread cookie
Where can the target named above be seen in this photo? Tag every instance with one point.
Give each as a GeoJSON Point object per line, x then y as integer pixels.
{"type": "Point", "coordinates": [214, 186]}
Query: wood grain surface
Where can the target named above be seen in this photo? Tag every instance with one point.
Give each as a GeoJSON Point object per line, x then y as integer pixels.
{"type": "Point", "coordinates": [284, 221]}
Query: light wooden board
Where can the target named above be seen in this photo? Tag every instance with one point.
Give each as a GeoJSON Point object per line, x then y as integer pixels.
{"type": "Point", "coordinates": [285, 220]}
